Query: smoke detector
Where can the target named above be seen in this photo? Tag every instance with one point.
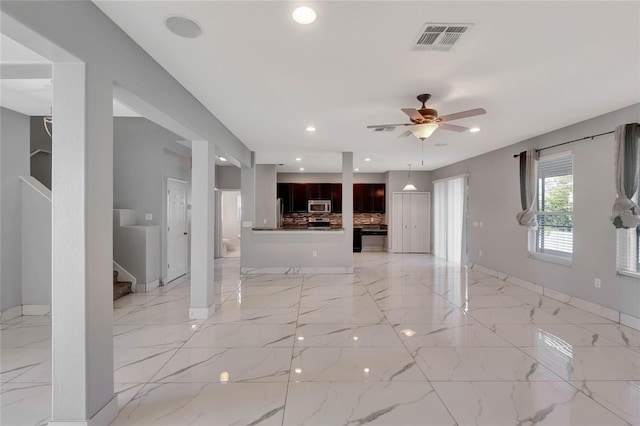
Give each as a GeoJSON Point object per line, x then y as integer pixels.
{"type": "Point", "coordinates": [440, 37]}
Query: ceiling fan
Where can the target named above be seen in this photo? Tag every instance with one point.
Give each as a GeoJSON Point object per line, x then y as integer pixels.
{"type": "Point", "coordinates": [426, 120]}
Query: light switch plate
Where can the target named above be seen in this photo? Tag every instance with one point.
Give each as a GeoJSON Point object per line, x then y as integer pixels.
{"type": "Point", "coordinates": [148, 216]}
{"type": "Point", "coordinates": [247, 224]}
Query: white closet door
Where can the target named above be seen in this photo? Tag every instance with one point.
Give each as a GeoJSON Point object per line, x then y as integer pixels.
{"type": "Point", "coordinates": [397, 223]}
{"type": "Point", "coordinates": [406, 223]}
{"type": "Point", "coordinates": [419, 222]}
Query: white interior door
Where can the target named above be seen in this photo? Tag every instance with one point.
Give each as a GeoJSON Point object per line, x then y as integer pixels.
{"type": "Point", "coordinates": [419, 212]}
{"type": "Point", "coordinates": [176, 229]}
{"type": "Point", "coordinates": [406, 223]}
{"type": "Point", "coordinates": [397, 230]}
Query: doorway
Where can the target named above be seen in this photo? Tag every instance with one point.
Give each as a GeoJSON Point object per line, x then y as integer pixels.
{"type": "Point", "coordinates": [230, 217]}
{"type": "Point", "coordinates": [177, 236]}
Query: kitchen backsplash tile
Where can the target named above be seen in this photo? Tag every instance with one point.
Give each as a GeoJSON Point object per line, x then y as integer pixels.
{"type": "Point", "coordinates": [335, 218]}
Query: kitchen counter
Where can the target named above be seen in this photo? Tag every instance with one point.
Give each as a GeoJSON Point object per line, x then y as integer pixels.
{"type": "Point", "coordinates": [297, 230]}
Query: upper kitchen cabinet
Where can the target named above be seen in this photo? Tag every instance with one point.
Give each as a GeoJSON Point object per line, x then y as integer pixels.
{"type": "Point", "coordinates": [369, 198]}
{"type": "Point", "coordinates": [299, 198]}
{"type": "Point", "coordinates": [284, 192]}
{"type": "Point", "coordinates": [319, 191]}
{"type": "Point", "coordinates": [336, 197]}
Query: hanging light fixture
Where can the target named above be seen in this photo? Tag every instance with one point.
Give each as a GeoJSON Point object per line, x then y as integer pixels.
{"type": "Point", "coordinates": [423, 131]}
{"type": "Point", "coordinates": [409, 186]}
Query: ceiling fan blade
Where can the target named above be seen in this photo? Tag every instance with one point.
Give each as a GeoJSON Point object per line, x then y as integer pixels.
{"type": "Point", "coordinates": [452, 127]}
{"type": "Point", "coordinates": [462, 114]}
{"type": "Point", "coordinates": [405, 134]}
{"type": "Point", "coordinates": [413, 113]}
{"type": "Point", "coordinates": [377, 126]}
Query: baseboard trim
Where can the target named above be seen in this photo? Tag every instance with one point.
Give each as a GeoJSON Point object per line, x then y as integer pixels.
{"type": "Point", "coordinates": [144, 288]}
{"type": "Point", "coordinates": [102, 418]}
{"type": "Point", "coordinates": [11, 313]}
{"type": "Point", "coordinates": [36, 310]}
{"type": "Point", "coordinates": [201, 313]}
{"type": "Point", "coordinates": [576, 302]}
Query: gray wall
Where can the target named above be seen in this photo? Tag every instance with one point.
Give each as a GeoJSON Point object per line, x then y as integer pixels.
{"type": "Point", "coordinates": [494, 199]}
{"type": "Point", "coordinates": [228, 177]}
{"type": "Point", "coordinates": [36, 243]}
{"type": "Point", "coordinates": [14, 162]}
{"type": "Point", "coordinates": [145, 155]}
{"type": "Point", "coordinates": [266, 195]}
{"type": "Point", "coordinates": [40, 163]}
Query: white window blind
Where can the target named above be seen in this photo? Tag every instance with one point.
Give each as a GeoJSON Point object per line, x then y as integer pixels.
{"type": "Point", "coordinates": [628, 249]}
{"type": "Point", "coordinates": [554, 236]}
{"type": "Point", "coordinates": [450, 197]}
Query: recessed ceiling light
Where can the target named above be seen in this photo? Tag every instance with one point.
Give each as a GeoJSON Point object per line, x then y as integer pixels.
{"type": "Point", "coordinates": [302, 169]}
{"type": "Point", "coordinates": [474, 129]}
{"type": "Point", "coordinates": [222, 158]}
{"type": "Point", "coordinates": [311, 129]}
{"type": "Point", "coordinates": [304, 15]}
{"type": "Point", "coordinates": [357, 170]}
{"type": "Point", "coordinates": [183, 26]}
{"type": "Point", "coordinates": [367, 159]}
{"type": "Point", "coordinates": [298, 159]}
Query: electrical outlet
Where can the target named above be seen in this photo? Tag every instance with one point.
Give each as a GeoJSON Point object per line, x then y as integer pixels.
{"type": "Point", "coordinates": [265, 221]}
{"type": "Point", "coordinates": [597, 283]}
{"type": "Point", "coordinates": [480, 253]}
{"type": "Point", "coordinates": [315, 253]}
{"type": "Point", "coordinates": [148, 216]}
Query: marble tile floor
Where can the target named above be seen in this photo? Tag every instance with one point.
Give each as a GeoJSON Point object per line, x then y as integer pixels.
{"type": "Point", "coordinates": [405, 340]}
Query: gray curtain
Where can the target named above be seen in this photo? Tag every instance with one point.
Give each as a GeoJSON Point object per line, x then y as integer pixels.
{"type": "Point", "coordinates": [625, 213]}
{"type": "Point", "coordinates": [528, 189]}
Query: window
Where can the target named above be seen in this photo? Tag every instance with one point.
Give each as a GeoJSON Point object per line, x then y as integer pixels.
{"type": "Point", "coordinates": [628, 249]}
{"type": "Point", "coordinates": [554, 238]}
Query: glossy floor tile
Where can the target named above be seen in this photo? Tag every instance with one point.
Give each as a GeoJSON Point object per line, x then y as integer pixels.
{"type": "Point", "coordinates": [405, 340]}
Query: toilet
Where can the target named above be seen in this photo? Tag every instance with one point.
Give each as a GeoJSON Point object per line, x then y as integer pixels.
{"type": "Point", "coordinates": [225, 243]}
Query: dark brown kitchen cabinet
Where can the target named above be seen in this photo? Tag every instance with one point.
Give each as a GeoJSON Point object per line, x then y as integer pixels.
{"type": "Point", "coordinates": [319, 191]}
{"type": "Point", "coordinates": [336, 197]}
{"type": "Point", "coordinates": [378, 202]}
{"type": "Point", "coordinates": [284, 192]}
{"type": "Point", "coordinates": [299, 198]}
{"type": "Point", "coordinates": [369, 198]}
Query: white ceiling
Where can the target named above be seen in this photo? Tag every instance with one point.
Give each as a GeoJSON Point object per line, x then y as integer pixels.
{"type": "Point", "coordinates": [534, 66]}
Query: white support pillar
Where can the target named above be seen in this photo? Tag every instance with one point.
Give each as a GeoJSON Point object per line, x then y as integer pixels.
{"type": "Point", "coordinates": [203, 154]}
{"type": "Point", "coordinates": [82, 246]}
{"type": "Point", "coordinates": [248, 194]}
{"type": "Point", "coordinates": [347, 199]}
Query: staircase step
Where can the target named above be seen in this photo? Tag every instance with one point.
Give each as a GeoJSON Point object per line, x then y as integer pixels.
{"type": "Point", "coordinates": [121, 288]}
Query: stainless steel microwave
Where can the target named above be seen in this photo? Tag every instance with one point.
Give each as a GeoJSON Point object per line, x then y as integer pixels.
{"type": "Point", "coordinates": [319, 206]}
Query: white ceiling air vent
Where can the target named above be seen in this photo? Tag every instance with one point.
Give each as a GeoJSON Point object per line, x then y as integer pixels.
{"type": "Point", "coordinates": [440, 37]}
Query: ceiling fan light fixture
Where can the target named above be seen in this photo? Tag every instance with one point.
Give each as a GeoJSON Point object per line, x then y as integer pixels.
{"type": "Point", "coordinates": [423, 131]}
{"type": "Point", "coordinates": [304, 15]}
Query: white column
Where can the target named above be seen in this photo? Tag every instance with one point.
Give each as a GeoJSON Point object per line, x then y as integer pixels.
{"type": "Point", "coordinates": [203, 154]}
{"type": "Point", "coordinates": [82, 246]}
{"type": "Point", "coordinates": [347, 201]}
{"type": "Point", "coordinates": [248, 193]}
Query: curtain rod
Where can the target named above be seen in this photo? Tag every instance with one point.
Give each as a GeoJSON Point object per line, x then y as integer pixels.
{"type": "Point", "coordinates": [575, 140]}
